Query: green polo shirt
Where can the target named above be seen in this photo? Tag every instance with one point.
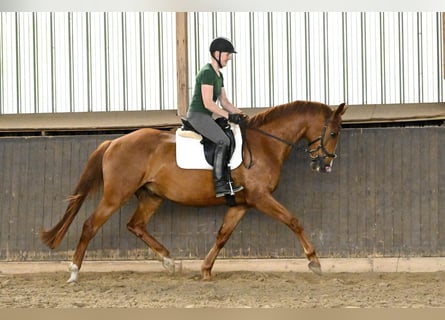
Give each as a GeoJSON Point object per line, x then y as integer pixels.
{"type": "Point", "coordinates": [207, 75]}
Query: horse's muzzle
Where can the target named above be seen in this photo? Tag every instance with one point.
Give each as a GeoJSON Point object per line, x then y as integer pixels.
{"type": "Point", "coordinates": [319, 165]}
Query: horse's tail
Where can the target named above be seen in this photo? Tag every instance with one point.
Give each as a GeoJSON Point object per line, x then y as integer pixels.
{"type": "Point", "coordinates": [90, 181]}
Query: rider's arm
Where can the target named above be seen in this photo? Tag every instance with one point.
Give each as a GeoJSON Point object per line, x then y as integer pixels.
{"type": "Point", "coordinates": [207, 99]}
{"type": "Point", "coordinates": [226, 104]}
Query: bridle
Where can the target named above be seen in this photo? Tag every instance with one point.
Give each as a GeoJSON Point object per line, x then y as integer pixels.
{"type": "Point", "coordinates": [318, 157]}
{"type": "Point", "coordinates": [326, 153]}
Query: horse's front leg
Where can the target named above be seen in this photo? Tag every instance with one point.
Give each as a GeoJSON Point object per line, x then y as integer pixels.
{"type": "Point", "coordinates": [267, 204]}
{"type": "Point", "coordinates": [231, 220]}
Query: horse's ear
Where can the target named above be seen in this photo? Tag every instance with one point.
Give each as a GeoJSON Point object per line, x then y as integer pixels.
{"type": "Point", "coordinates": [341, 109]}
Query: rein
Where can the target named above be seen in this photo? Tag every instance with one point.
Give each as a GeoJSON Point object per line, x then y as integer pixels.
{"type": "Point", "coordinates": [290, 144]}
{"type": "Point", "coordinates": [321, 146]}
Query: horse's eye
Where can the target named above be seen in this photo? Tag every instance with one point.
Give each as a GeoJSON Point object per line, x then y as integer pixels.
{"type": "Point", "coordinates": [333, 134]}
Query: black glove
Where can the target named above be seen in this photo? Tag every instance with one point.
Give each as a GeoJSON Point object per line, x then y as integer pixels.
{"type": "Point", "coordinates": [237, 117]}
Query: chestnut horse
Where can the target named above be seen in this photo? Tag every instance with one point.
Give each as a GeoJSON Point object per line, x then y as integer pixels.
{"type": "Point", "coordinates": [142, 163]}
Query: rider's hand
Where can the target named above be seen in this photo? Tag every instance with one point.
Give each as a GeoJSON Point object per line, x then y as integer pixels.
{"type": "Point", "coordinates": [237, 117]}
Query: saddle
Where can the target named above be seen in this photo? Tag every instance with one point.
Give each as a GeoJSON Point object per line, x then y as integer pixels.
{"type": "Point", "coordinates": [209, 146]}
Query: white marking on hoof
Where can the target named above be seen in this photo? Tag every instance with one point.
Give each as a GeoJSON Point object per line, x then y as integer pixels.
{"type": "Point", "coordinates": [74, 273]}
{"type": "Point", "coordinates": [169, 264]}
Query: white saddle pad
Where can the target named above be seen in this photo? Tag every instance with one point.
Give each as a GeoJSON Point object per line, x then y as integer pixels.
{"type": "Point", "coordinates": [190, 151]}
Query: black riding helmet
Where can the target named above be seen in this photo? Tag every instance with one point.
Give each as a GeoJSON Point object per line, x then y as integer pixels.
{"type": "Point", "coordinates": [222, 45]}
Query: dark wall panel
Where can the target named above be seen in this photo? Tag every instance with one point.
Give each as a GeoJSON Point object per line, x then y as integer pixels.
{"type": "Point", "coordinates": [385, 197]}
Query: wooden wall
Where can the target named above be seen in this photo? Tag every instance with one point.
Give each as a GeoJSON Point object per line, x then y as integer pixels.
{"type": "Point", "coordinates": [385, 197]}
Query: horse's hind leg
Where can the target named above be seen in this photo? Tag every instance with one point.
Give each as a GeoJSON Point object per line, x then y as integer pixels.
{"type": "Point", "coordinates": [148, 203]}
{"type": "Point", "coordinates": [231, 220]}
{"type": "Point", "coordinates": [103, 211]}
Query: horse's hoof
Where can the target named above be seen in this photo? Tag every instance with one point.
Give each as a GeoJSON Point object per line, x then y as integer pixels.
{"type": "Point", "coordinates": [315, 267]}
{"type": "Point", "coordinates": [206, 276]}
{"type": "Point", "coordinates": [169, 264]}
{"type": "Point", "coordinates": [74, 273]}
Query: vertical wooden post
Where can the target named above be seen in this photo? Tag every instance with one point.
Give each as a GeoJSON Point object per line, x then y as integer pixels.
{"type": "Point", "coordinates": [182, 63]}
{"type": "Point", "coordinates": [443, 43]}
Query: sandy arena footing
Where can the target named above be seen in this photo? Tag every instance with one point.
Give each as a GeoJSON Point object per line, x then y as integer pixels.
{"type": "Point", "coordinates": [329, 265]}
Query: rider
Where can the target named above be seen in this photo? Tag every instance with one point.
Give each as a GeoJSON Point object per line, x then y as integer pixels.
{"type": "Point", "coordinates": [209, 88]}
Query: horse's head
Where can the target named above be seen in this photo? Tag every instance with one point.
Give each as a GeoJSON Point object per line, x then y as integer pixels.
{"type": "Point", "coordinates": [323, 138]}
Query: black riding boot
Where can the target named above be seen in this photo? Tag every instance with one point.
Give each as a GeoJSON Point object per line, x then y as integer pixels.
{"type": "Point", "coordinates": [221, 173]}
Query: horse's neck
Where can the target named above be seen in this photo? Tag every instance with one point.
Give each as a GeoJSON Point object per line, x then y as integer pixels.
{"type": "Point", "coordinates": [281, 138]}
{"type": "Point", "coordinates": [290, 131]}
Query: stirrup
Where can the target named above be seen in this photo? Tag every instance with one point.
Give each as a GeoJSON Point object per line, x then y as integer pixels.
{"type": "Point", "coordinates": [229, 191]}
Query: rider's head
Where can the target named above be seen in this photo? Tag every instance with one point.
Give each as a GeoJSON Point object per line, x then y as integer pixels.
{"type": "Point", "coordinates": [221, 45]}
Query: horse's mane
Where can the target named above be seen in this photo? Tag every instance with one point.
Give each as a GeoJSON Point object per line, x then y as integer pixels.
{"type": "Point", "coordinates": [286, 110]}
